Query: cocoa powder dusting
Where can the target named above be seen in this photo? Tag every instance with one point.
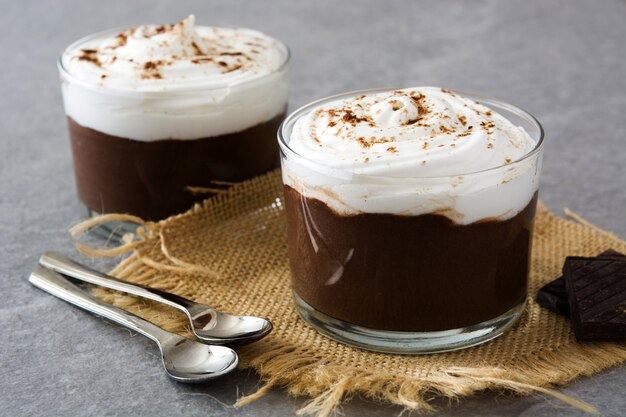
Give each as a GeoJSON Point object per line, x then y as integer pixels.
{"type": "Point", "coordinates": [487, 125]}
{"type": "Point", "coordinates": [151, 69]}
{"type": "Point", "coordinates": [392, 149]}
{"type": "Point", "coordinates": [90, 55]}
{"type": "Point", "coordinates": [422, 109]}
{"type": "Point", "coordinates": [201, 60]}
{"type": "Point", "coordinates": [364, 143]}
{"type": "Point", "coordinates": [445, 90]}
{"type": "Point", "coordinates": [122, 38]}
{"type": "Point", "coordinates": [353, 119]}
{"type": "Point", "coordinates": [152, 75]}
{"type": "Point", "coordinates": [235, 68]}
{"type": "Point", "coordinates": [196, 48]}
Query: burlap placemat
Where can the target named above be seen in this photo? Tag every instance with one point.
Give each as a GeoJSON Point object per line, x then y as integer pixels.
{"type": "Point", "coordinates": [230, 252]}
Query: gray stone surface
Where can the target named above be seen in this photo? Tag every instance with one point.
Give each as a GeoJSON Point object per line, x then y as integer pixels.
{"type": "Point", "coordinates": [564, 61]}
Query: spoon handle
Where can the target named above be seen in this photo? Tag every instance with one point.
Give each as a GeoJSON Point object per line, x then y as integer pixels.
{"type": "Point", "coordinates": [66, 266]}
{"type": "Point", "coordinates": [59, 286]}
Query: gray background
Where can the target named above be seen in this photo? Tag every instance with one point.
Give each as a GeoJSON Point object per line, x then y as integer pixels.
{"type": "Point", "coordinates": [564, 61]}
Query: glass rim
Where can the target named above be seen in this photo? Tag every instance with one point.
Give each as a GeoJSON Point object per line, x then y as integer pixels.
{"type": "Point", "coordinates": [296, 114]}
{"type": "Point", "coordinates": [187, 89]}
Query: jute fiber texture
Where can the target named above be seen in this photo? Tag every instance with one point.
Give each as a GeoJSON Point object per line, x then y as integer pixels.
{"type": "Point", "coordinates": [230, 252]}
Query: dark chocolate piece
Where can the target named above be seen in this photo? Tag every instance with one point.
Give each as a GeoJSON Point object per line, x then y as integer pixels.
{"type": "Point", "coordinates": [553, 295]}
{"type": "Point", "coordinates": [596, 290]}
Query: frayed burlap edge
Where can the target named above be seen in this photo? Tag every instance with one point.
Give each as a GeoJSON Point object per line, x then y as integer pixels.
{"type": "Point", "coordinates": [303, 373]}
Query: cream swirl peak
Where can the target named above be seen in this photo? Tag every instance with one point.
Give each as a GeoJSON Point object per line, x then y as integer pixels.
{"type": "Point", "coordinates": [411, 152]}
{"type": "Point", "coordinates": [412, 132]}
{"type": "Point", "coordinates": [179, 56]}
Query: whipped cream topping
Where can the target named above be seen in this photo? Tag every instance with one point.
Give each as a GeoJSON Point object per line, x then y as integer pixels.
{"type": "Point", "coordinates": [178, 81]}
{"type": "Point", "coordinates": [408, 152]}
{"type": "Point", "coordinates": [165, 57]}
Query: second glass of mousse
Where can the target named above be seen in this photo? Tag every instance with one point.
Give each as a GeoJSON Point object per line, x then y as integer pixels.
{"type": "Point", "coordinates": [160, 114]}
{"type": "Point", "coordinates": [410, 216]}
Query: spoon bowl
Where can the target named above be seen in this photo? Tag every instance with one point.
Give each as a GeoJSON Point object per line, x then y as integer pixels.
{"type": "Point", "coordinates": [192, 362]}
{"type": "Point", "coordinates": [211, 325]}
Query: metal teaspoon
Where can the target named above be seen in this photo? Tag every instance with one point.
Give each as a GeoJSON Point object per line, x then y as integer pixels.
{"type": "Point", "coordinates": [208, 324]}
{"type": "Point", "coordinates": [184, 360]}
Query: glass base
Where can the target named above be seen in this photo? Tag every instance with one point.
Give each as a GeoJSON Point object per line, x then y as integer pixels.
{"type": "Point", "coordinates": [112, 231]}
{"type": "Point", "coordinates": [407, 342]}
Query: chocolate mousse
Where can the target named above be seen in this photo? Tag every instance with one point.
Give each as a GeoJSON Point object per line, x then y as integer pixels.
{"type": "Point", "coordinates": [407, 273]}
{"type": "Point", "coordinates": [156, 179]}
{"type": "Point", "coordinates": [410, 216]}
{"type": "Point", "coordinates": [160, 114]}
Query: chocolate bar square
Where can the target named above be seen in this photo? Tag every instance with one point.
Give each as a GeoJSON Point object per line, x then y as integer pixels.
{"type": "Point", "coordinates": [596, 290]}
{"type": "Point", "coordinates": [553, 295]}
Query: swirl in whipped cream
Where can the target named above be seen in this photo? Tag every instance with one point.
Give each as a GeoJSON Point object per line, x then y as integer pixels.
{"type": "Point", "coordinates": [181, 81]}
{"type": "Point", "coordinates": [410, 152]}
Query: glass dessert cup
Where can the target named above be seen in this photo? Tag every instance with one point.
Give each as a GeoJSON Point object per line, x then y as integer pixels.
{"type": "Point", "coordinates": [157, 178]}
{"type": "Point", "coordinates": [411, 283]}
